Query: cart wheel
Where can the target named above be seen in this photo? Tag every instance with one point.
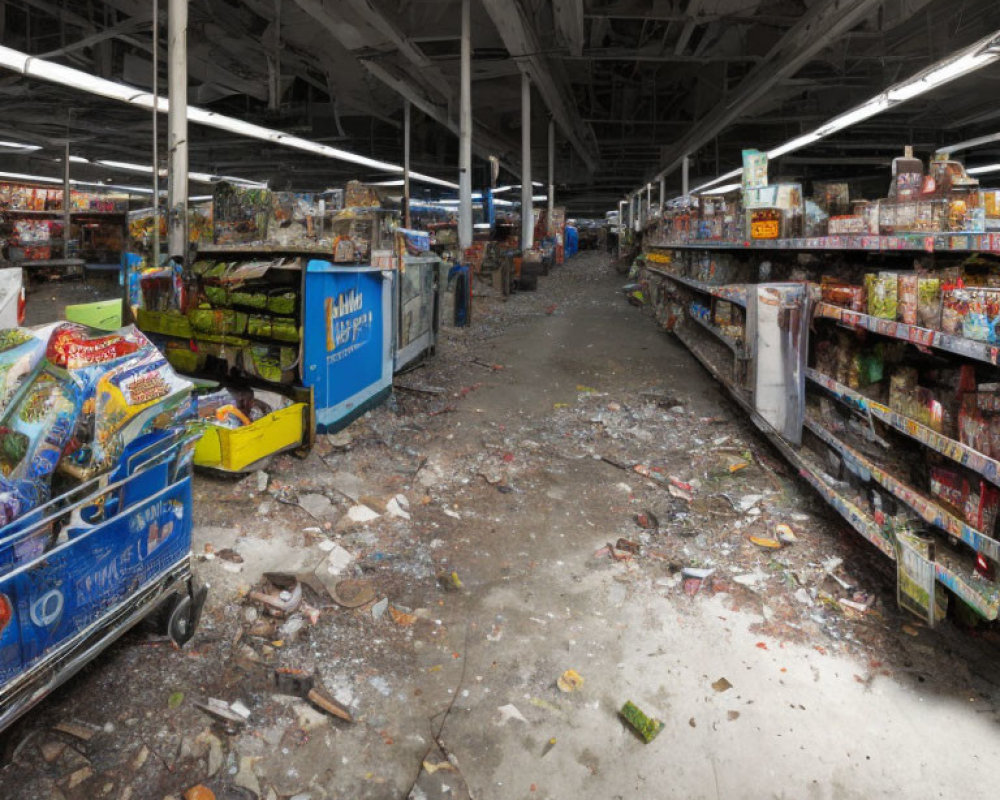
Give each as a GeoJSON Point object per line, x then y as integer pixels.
{"type": "Point", "coordinates": [183, 619]}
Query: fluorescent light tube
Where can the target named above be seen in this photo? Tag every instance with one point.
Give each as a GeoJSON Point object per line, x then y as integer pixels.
{"type": "Point", "coordinates": [874, 106]}
{"type": "Point", "coordinates": [77, 79]}
{"type": "Point", "coordinates": [729, 187]}
{"type": "Point", "coordinates": [984, 169]}
{"type": "Point", "coordinates": [795, 144]}
{"type": "Point", "coordinates": [20, 147]}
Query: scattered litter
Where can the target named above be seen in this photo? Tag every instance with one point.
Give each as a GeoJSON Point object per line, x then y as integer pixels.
{"type": "Point", "coordinates": [282, 602]}
{"type": "Point", "coordinates": [680, 494]}
{"type": "Point", "coordinates": [732, 715]}
{"type": "Point", "coordinates": [803, 596]}
{"type": "Point", "coordinates": [628, 546]}
{"type": "Point", "coordinates": [509, 712]}
{"type": "Point", "coordinates": [430, 768]}
{"type": "Point", "coordinates": [647, 727]}
{"type": "Point", "coordinates": [698, 572]}
{"type": "Point", "coordinates": [222, 711]}
{"type": "Point", "coordinates": [760, 541]}
{"type": "Point", "coordinates": [317, 506]}
{"type": "Point", "coordinates": [450, 513]}
{"type": "Point", "coordinates": [300, 684]}
{"type": "Point", "coordinates": [397, 507]}
{"type": "Point", "coordinates": [748, 501]}
{"type": "Point", "coordinates": [76, 730]}
{"type": "Point", "coordinates": [262, 480]}
{"type": "Point", "coordinates": [361, 513]}
{"type": "Point", "coordinates": [175, 699]}
{"type": "Point", "coordinates": [722, 685]}
{"type": "Point", "coordinates": [402, 618]}
{"type": "Point", "coordinates": [548, 746]}
{"type": "Point", "coordinates": [199, 792]}
{"type": "Point", "coordinates": [569, 681]}
{"type": "Point", "coordinates": [380, 608]}
{"type": "Point", "coordinates": [785, 533]}
{"type": "Point", "coordinates": [79, 776]}
{"type": "Point", "coordinates": [353, 593]}
{"type": "Point", "coordinates": [751, 579]}
{"type": "Point", "coordinates": [338, 560]}
{"type": "Point", "coordinates": [647, 520]}
{"type": "Point", "coordinates": [450, 582]}
{"type": "Point", "coordinates": [228, 554]}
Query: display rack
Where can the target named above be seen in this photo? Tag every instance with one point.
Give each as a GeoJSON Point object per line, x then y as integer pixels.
{"type": "Point", "coordinates": [911, 243]}
{"type": "Point", "coordinates": [955, 558]}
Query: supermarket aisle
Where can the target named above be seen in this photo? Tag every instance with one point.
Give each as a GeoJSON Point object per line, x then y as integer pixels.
{"type": "Point", "coordinates": [529, 546]}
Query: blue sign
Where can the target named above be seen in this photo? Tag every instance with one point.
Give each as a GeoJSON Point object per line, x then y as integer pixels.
{"type": "Point", "coordinates": [347, 339]}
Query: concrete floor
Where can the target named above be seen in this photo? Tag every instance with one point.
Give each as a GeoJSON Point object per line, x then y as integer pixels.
{"type": "Point", "coordinates": [496, 445]}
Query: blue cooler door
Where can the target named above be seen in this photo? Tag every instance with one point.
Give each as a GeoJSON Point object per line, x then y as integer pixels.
{"type": "Point", "coordinates": [347, 340]}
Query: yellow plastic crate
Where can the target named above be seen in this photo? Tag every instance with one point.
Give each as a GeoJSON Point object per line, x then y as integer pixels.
{"type": "Point", "coordinates": [234, 449]}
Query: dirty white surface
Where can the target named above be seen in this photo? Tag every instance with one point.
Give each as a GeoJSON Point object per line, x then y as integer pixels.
{"type": "Point", "coordinates": [500, 580]}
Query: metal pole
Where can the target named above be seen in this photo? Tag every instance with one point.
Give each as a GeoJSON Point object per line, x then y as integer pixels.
{"type": "Point", "coordinates": [621, 224]}
{"type": "Point", "coordinates": [649, 202]}
{"type": "Point", "coordinates": [552, 174]}
{"type": "Point", "coordinates": [685, 169]}
{"type": "Point", "coordinates": [663, 193]}
{"type": "Point", "coordinates": [527, 217]}
{"type": "Point", "coordinates": [465, 136]}
{"type": "Point", "coordinates": [66, 200]}
{"type": "Point", "coordinates": [406, 163]}
{"type": "Point", "coordinates": [156, 133]}
{"type": "Point", "coordinates": [177, 177]}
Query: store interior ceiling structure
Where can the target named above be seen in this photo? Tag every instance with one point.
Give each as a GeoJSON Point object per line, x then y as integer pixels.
{"type": "Point", "coordinates": [632, 86]}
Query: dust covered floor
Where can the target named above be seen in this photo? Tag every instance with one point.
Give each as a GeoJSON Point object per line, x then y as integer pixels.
{"type": "Point", "coordinates": [491, 522]}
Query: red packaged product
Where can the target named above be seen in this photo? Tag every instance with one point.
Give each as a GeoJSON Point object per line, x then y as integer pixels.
{"type": "Point", "coordinates": [982, 502]}
{"type": "Point", "coordinates": [948, 486]}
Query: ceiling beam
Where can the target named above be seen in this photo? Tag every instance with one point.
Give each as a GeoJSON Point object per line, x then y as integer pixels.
{"type": "Point", "coordinates": [822, 24]}
{"type": "Point", "coordinates": [568, 17]}
{"type": "Point", "coordinates": [523, 46]}
{"type": "Point", "coordinates": [484, 143]}
{"type": "Point", "coordinates": [327, 15]}
{"type": "Point", "coordinates": [654, 54]}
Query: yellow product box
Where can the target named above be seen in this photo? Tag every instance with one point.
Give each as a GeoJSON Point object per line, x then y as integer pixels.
{"type": "Point", "coordinates": [234, 449]}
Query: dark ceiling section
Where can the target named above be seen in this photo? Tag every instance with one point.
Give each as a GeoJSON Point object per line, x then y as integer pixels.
{"type": "Point", "coordinates": [633, 85]}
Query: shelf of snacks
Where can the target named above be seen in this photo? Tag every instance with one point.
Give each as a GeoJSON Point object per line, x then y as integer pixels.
{"type": "Point", "coordinates": [954, 569]}
{"type": "Point", "coordinates": [730, 292]}
{"type": "Point", "coordinates": [916, 242]}
{"type": "Point", "coordinates": [914, 334]}
{"type": "Point", "coordinates": [731, 336]}
{"type": "Point", "coordinates": [927, 509]}
{"type": "Point", "coordinates": [920, 454]}
{"type": "Point", "coordinates": [957, 451]}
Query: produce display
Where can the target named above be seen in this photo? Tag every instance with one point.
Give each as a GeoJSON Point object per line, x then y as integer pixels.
{"type": "Point", "coordinates": [229, 318]}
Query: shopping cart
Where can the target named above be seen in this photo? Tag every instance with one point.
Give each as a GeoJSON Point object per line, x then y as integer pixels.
{"type": "Point", "coordinates": [79, 571]}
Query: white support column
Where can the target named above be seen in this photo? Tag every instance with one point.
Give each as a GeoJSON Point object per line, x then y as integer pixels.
{"type": "Point", "coordinates": [406, 163]}
{"type": "Point", "coordinates": [552, 174]}
{"type": "Point", "coordinates": [66, 203]}
{"type": "Point", "coordinates": [156, 133]}
{"type": "Point", "coordinates": [685, 169]}
{"type": "Point", "coordinates": [663, 194]}
{"type": "Point", "coordinates": [177, 178]}
{"type": "Point", "coordinates": [465, 136]}
{"type": "Point", "coordinates": [649, 203]}
{"type": "Point", "coordinates": [527, 217]}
